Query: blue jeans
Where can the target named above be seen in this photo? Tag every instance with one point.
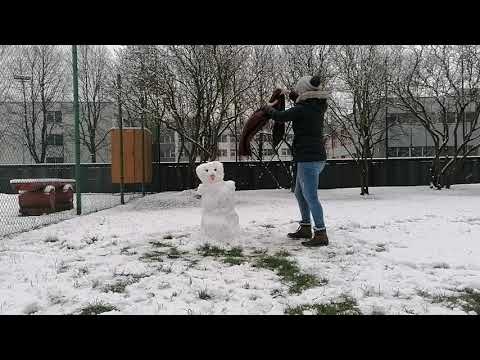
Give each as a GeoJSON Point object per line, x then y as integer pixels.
{"type": "Point", "coordinates": [306, 192]}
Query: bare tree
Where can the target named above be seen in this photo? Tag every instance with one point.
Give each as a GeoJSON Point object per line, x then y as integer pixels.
{"type": "Point", "coordinates": [439, 86]}
{"type": "Point", "coordinates": [45, 67]}
{"type": "Point", "coordinates": [5, 84]}
{"type": "Point", "coordinates": [355, 109]}
{"type": "Point", "coordinates": [93, 95]}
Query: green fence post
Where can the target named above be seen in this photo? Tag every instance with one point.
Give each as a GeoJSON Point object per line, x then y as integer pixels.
{"type": "Point", "coordinates": [77, 130]}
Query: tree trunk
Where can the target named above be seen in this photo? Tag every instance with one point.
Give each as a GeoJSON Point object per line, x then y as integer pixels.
{"type": "Point", "coordinates": [364, 177]}
{"type": "Point", "coordinates": [435, 174]}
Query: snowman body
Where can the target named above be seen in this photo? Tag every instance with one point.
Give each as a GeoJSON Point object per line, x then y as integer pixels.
{"type": "Point", "coordinates": [220, 221]}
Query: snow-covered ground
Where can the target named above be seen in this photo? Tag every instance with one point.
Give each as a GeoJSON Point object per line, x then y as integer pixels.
{"type": "Point", "coordinates": [404, 250]}
{"type": "Point", "coordinates": [11, 222]}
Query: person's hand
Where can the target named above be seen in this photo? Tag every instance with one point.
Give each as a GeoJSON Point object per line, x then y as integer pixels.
{"type": "Point", "coordinates": [272, 103]}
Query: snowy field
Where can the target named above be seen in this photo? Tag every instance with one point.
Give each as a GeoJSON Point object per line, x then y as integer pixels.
{"type": "Point", "coordinates": [405, 250]}
{"type": "Point", "coordinates": [11, 222]}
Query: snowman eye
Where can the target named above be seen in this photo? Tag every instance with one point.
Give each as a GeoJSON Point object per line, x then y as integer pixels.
{"type": "Point", "coordinates": [214, 169]}
{"type": "Point", "coordinates": [206, 170]}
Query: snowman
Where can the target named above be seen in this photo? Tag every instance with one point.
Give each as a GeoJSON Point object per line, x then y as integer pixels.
{"type": "Point", "coordinates": [219, 218]}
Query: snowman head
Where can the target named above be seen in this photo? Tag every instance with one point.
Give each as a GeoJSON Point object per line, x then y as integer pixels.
{"type": "Point", "coordinates": [211, 172]}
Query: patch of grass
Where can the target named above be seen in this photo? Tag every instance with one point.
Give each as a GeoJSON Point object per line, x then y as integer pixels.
{"type": "Point", "coordinates": [441, 266]}
{"type": "Point", "coordinates": [92, 239]}
{"type": "Point", "coordinates": [289, 271]}
{"type": "Point", "coordinates": [51, 239]}
{"type": "Point", "coordinates": [204, 295]}
{"type": "Point", "coordinates": [235, 252]}
{"type": "Point", "coordinates": [62, 267]}
{"type": "Point", "coordinates": [56, 299]}
{"type": "Point", "coordinates": [234, 256]}
{"type": "Point", "coordinates": [234, 260]}
{"type": "Point", "coordinates": [158, 244]}
{"type": "Point", "coordinates": [173, 253]}
{"type": "Point", "coordinates": [119, 286]}
{"type": "Point", "coordinates": [259, 251]}
{"type": "Point", "coordinates": [468, 300]}
{"type": "Point", "coordinates": [125, 251]}
{"type": "Point", "coordinates": [96, 308]}
{"type": "Point", "coordinates": [165, 269]}
{"type": "Point", "coordinates": [283, 253]}
{"type": "Point", "coordinates": [346, 306]}
{"type": "Point", "coordinates": [209, 250]}
{"type": "Point", "coordinates": [152, 256]}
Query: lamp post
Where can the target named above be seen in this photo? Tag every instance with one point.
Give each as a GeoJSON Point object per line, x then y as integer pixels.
{"type": "Point", "coordinates": [23, 78]}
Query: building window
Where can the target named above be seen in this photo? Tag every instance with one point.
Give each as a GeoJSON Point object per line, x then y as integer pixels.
{"type": "Point", "coordinates": [451, 117]}
{"type": "Point", "coordinates": [417, 151]}
{"type": "Point", "coordinates": [54, 160]}
{"type": "Point", "coordinates": [166, 139]}
{"type": "Point", "coordinates": [268, 152]}
{"type": "Point", "coordinates": [286, 152]}
{"type": "Point", "coordinates": [268, 137]}
{"type": "Point", "coordinates": [233, 152]}
{"type": "Point", "coordinates": [392, 152]}
{"type": "Point", "coordinates": [404, 151]}
{"type": "Point", "coordinates": [407, 118]}
{"type": "Point", "coordinates": [58, 117]}
{"type": "Point", "coordinates": [469, 116]}
{"type": "Point", "coordinates": [222, 153]}
{"type": "Point", "coordinates": [224, 138]}
{"type": "Point", "coordinates": [55, 139]}
{"type": "Point", "coordinates": [449, 150]}
{"type": "Point", "coordinates": [391, 119]}
{"type": "Point", "coordinates": [428, 151]}
{"type": "Point", "coordinates": [289, 138]}
{"type": "Point", "coordinates": [167, 153]}
{"type": "Point", "coordinates": [50, 116]}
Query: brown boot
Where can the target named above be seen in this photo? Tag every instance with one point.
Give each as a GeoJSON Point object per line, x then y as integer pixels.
{"type": "Point", "coordinates": [303, 232]}
{"type": "Point", "coordinates": [320, 238]}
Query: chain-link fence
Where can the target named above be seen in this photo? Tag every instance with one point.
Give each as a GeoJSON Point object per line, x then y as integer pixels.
{"type": "Point", "coordinates": [37, 142]}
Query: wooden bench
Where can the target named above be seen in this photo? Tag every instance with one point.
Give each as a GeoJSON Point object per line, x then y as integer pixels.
{"type": "Point", "coordinates": [43, 196]}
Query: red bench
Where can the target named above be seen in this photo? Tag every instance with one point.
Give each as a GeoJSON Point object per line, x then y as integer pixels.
{"type": "Point", "coordinates": [43, 196]}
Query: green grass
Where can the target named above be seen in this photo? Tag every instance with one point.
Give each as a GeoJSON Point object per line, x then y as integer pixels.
{"type": "Point", "coordinates": [204, 295]}
{"type": "Point", "coordinates": [283, 253]}
{"type": "Point", "coordinates": [96, 308]}
{"type": "Point", "coordinates": [346, 306]}
{"type": "Point", "coordinates": [125, 251]}
{"type": "Point", "coordinates": [234, 256]}
{"type": "Point", "coordinates": [158, 244]}
{"type": "Point", "coordinates": [289, 271]}
{"type": "Point", "coordinates": [215, 251]}
{"type": "Point", "coordinates": [468, 299]}
{"type": "Point", "coordinates": [173, 253]}
{"type": "Point", "coordinates": [119, 286]}
{"type": "Point", "coordinates": [234, 260]}
{"type": "Point", "coordinates": [152, 256]}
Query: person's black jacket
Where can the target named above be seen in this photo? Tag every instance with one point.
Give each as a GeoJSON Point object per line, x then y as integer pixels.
{"type": "Point", "coordinates": [307, 119]}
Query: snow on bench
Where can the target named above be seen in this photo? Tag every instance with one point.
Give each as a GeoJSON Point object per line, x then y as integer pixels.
{"type": "Point", "coordinates": [33, 181]}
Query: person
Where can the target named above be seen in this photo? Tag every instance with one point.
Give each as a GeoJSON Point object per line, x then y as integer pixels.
{"type": "Point", "coordinates": [307, 117]}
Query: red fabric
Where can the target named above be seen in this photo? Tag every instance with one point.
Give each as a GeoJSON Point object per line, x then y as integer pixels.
{"type": "Point", "coordinates": [257, 121]}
